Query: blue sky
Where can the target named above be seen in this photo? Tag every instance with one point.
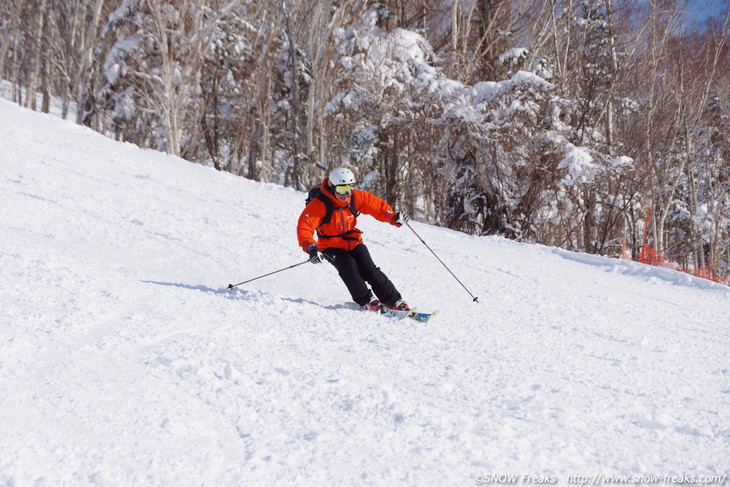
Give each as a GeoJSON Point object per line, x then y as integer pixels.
{"type": "Point", "coordinates": [701, 10]}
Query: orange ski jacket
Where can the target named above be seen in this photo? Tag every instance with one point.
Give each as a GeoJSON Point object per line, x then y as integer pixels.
{"type": "Point", "coordinates": [341, 231]}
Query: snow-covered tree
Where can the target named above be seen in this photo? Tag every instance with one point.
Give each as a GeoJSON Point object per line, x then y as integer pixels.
{"type": "Point", "coordinates": [556, 121]}
{"type": "Point", "coordinates": [152, 71]}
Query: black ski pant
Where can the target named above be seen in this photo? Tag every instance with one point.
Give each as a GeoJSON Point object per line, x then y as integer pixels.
{"type": "Point", "coordinates": [357, 268]}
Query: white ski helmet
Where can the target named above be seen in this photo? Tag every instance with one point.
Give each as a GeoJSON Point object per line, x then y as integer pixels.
{"type": "Point", "coordinates": [341, 176]}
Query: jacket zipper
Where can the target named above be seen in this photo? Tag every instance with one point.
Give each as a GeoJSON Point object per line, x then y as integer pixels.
{"type": "Point", "coordinates": [342, 226]}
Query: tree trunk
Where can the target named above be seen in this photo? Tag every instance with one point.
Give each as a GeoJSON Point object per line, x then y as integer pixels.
{"type": "Point", "coordinates": [455, 25]}
{"type": "Point", "coordinates": [253, 147]}
{"type": "Point", "coordinates": [391, 164]}
{"type": "Point", "coordinates": [45, 86]}
{"type": "Point", "coordinates": [614, 70]}
{"type": "Point", "coordinates": [295, 173]}
{"type": "Point", "coordinates": [9, 29]}
{"type": "Point", "coordinates": [82, 85]}
{"type": "Point", "coordinates": [36, 62]}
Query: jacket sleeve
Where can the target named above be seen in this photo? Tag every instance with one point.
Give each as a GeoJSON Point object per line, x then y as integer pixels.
{"type": "Point", "coordinates": [376, 207]}
{"type": "Point", "coordinates": [308, 222]}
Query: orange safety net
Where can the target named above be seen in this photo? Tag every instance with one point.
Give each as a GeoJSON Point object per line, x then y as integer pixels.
{"type": "Point", "coordinates": [655, 258]}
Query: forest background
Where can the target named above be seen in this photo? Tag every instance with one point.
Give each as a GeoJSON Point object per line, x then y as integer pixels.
{"type": "Point", "coordinates": [552, 121]}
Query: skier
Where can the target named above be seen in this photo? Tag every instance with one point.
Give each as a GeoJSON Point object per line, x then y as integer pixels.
{"type": "Point", "coordinates": [331, 213]}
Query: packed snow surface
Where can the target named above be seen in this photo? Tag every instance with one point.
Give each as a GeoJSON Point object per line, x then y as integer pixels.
{"type": "Point", "coordinates": [125, 361]}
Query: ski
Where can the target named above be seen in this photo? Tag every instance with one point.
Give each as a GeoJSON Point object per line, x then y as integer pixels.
{"type": "Point", "coordinates": [399, 315]}
{"type": "Point", "coordinates": [389, 313]}
{"type": "Point", "coordinates": [422, 317]}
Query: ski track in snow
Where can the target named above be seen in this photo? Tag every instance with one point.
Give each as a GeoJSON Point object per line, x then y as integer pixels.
{"type": "Point", "coordinates": [125, 361]}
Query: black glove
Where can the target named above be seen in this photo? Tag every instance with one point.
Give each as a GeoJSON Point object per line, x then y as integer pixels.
{"type": "Point", "coordinates": [314, 256]}
{"type": "Point", "coordinates": [400, 218]}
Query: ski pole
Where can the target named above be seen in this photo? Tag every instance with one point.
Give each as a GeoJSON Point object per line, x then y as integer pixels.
{"type": "Point", "coordinates": [475, 299]}
{"type": "Point", "coordinates": [231, 286]}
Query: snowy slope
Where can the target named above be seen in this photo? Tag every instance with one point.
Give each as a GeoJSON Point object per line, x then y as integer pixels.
{"type": "Point", "coordinates": [124, 361]}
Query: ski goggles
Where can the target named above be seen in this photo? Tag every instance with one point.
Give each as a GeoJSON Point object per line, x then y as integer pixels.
{"type": "Point", "coordinates": [344, 188]}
